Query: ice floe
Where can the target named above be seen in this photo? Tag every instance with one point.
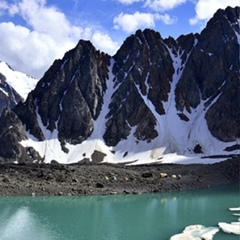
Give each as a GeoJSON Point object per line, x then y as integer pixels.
{"type": "Point", "coordinates": [196, 232]}
{"type": "Point", "coordinates": [230, 227]}
{"type": "Point", "coordinates": [200, 232]}
{"type": "Point", "coordinates": [234, 209]}
{"type": "Point", "coordinates": [233, 227]}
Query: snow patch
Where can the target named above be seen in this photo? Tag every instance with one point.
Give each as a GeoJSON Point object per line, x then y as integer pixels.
{"type": "Point", "coordinates": [20, 82]}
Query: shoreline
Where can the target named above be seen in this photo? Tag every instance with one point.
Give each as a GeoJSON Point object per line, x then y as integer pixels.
{"type": "Point", "coordinates": [108, 179]}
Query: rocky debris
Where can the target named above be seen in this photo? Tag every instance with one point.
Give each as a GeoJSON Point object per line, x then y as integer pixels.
{"type": "Point", "coordinates": [147, 174]}
{"type": "Point", "coordinates": [81, 179]}
{"type": "Point", "coordinates": [98, 156]}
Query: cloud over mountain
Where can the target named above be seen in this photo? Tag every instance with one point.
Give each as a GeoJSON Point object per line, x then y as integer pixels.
{"type": "Point", "coordinates": [35, 32]}
{"type": "Point", "coordinates": [48, 34]}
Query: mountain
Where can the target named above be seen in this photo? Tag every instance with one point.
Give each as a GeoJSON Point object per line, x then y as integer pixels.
{"type": "Point", "coordinates": [14, 86]}
{"type": "Point", "coordinates": [153, 99]}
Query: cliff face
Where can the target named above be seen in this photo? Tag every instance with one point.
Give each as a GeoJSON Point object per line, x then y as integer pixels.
{"type": "Point", "coordinates": [211, 75]}
{"type": "Point", "coordinates": [69, 97]}
{"type": "Point", "coordinates": [154, 96]}
{"type": "Point", "coordinates": [8, 96]}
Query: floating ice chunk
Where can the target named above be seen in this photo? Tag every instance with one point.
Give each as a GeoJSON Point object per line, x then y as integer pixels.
{"type": "Point", "coordinates": [230, 227]}
{"type": "Point", "coordinates": [184, 236]}
{"type": "Point", "coordinates": [196, 232]}
{"type": "Point", "coordinates": [233, 227]}
{"type": "Point", "coordinates": [235, 223]}
{"type": "Point", "coordinates": [235, 209]}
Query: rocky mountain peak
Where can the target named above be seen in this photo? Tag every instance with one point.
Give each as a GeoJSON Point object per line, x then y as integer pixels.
{"type": "Point", "coordinates": [229, 15]}
{"type": "Point", "coordinates": [69, 97]}
{"type": "Point", "coordinates": [142, 69]}
{"type": "Point", "coordinates": [155, 96]}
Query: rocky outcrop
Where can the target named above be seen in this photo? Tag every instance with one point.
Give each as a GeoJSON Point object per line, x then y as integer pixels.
{"type": "Point", "coordinates": [211, 74]}
{"type": "Point", "coordinates": [145, 60]}
{"type": "Point", "coordinates": [69, 97]}
{"type": "Point", "coordinates": [223, 116]}
{"type": "Point", "coordinates": [142, 69]}
{"type": "Point", "coordinates": [12, 132]}
{"type": "Point", "coordinates": [8, 96]}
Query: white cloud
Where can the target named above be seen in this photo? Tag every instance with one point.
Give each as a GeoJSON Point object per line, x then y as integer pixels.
{"type": "Point", "coordinates": [163, 5]}
{"type": "Point", "coordinates": [32, 50]}
{"type": "Point", "coordinates": [206, 8]}
{"type": "Point", "coordinates": [128, 2]}
{"type": "Point", "coordinates": [47, 20]}
{"type": "Point", "coordinates": [28, 51]}
{"type": "Point", "coordinates": [167, 19]}
{"type": "Point", "coordinates": [103, 41]}
{"type": "Point", "coordinates": [131, 22]}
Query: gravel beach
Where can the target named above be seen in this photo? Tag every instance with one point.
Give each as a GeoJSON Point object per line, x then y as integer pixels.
{"type": "Point", "coordinates": [104, 179]}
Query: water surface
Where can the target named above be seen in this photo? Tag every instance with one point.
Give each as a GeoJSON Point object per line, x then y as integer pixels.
{"type": "Point", "coordinates": [135, 217]}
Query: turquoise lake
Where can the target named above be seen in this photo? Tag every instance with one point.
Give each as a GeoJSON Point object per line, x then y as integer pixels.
{"type": "Point", "coordinates": [130, 217]}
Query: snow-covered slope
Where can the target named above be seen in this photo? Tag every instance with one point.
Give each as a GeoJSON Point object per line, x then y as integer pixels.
{"type": "Point", "coordinates": [20, 82]}
{"type": "Point", "coordinates": [175, 144]}
{"type": "Point", "coordinates": [155, 100]}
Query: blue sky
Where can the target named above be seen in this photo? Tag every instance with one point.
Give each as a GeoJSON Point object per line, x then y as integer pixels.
{"type": "Point", "coordinates": [35, 32]}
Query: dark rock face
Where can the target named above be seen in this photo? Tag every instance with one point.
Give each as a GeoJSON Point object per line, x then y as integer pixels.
{"type": "Point", "coordinates": [8, 96]}
{"type": "Point", "coordinates": [70, 95]}
{"type": "Point", "coordinates": [12, 132]}
{"type": "Point", "coordinates": [223, 116]}
{"type": "Point", "coordinates": [212, 72]}
{"type": "Point", "coordinates": [69, 99]}
{"type": "Point", "coordinates": [132, 112]}
{"type": "Point", "coordinates": [145, 60]}
{"type": "Point", "coordinates": [142, 67]}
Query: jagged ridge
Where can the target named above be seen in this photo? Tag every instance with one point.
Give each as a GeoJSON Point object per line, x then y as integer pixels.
{"type": "Point", "coordinates": [155, 96]}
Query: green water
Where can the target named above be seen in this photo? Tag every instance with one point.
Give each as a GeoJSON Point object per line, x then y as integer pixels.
{"type": "Point", "coordinates": [137, 217]}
